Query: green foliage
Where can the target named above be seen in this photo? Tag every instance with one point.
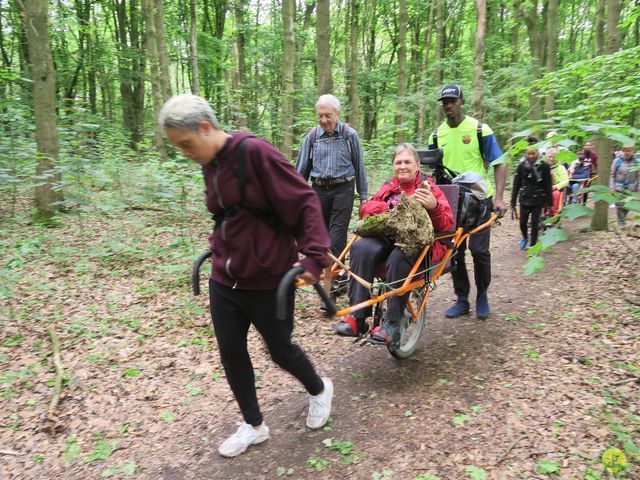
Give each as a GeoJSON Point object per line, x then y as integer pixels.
{"type": "Point", "coordinates": [318, 464]}
{"type": "Point", "coordinates": [476, 473]}
{"type": "Point", "coordinates": [72, 450]}
{"type": "Point", "coordinates": [344, 447]}
{"type": "Point", "coordinates": [103, 450]}
{"type": "Point", "coordinates": [460, 419]}
{"type": "Point", "coordinates": [127, 469]}
{"type": "Point", "coordinates": [590, 89]}
{"type": "Point", "coordinates": [547, 467]}
{"type": "Point", "coordinates": [534, 265]}
{"type": "Point", "coordinates": [167, 417]}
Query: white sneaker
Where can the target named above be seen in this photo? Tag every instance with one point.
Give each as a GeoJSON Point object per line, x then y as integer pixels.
{"type": "Point", "coordinates": [320, 406]}
{"type": "Point", "coordinates": [245, 436]}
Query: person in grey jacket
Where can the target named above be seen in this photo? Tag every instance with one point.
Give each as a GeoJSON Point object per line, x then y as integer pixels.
{"type": "Point", "coordinates": [625, 178]}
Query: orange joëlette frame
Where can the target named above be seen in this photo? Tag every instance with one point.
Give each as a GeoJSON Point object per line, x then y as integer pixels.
{"type": "Point", "coordinates": [409, 284]}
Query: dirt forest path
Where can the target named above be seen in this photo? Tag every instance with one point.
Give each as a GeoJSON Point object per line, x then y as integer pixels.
{"type": "Point", "coordinates": [539, 390]}
{"type": "Point", "coordinates": [533, 392]}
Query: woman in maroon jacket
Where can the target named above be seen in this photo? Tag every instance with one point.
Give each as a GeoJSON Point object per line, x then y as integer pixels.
{"type": "Point", "coordinates": [367, 253]}
{"type": "Point", "coordinates": [254, 243]}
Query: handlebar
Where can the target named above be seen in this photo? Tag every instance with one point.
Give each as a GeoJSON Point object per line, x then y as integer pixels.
{"type": "Point", "coordinates": [195, 272]}
{"type": "Point", "coordinates": [287, 284]}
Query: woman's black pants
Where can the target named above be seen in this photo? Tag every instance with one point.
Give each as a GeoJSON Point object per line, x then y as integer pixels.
{"type": "Point", "coordinates": [233, 311]}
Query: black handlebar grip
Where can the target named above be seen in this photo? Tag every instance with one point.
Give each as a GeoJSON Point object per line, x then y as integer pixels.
{"type": "Point", "coordinates": [328, 303]}
{"type": "Point", "coordinates": [284, 288]}
{"type": "Point", "coordinates": [287, 283]}
{"type": "Point", "coordinates": [195, 273]}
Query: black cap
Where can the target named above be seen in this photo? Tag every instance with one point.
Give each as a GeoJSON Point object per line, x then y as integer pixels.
{"type": "Point", "coordinates": [451, 91]}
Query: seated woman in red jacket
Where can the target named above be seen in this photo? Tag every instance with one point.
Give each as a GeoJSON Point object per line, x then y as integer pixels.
{"type": "Point", "coordinates": [367, 253]}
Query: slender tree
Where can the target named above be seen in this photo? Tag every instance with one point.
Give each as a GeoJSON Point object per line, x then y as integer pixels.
{"type": "Point", "coordinates": [152, 40]}
{"type": "Point", "coordinates": [48, 193]}
{"type": "Point", "coordinates": [599, 26]}
{"type": "Point", "coordinates": [402, 70]}
{"type": "Point", "coordinates": [288, 59]}
{"type": "Point", "coordinates": [422, 81]}
{"type": "Point", "coordinates": [552, 48]}
{"type": "Point", "coordinates": [478, 58]}
{"type": "Point", "coordinates": [599, 221]}
{"type": "Point", "coordinates": [323, 52]}
{"type": "Point", "coordinates": [354, 62]}
{"type": "Point", "coordinates": [193, 47]}
{"type": "Point", "coordinates": [240, 73]}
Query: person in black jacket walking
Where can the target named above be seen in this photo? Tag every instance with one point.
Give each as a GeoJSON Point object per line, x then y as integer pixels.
{"type": "Point", "coordinates": [533, 181]}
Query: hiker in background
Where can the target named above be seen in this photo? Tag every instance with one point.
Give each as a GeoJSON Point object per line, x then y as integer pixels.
{"type": "Point", "coordinates": [579, 176]}
{"type": "Point", "coordinates": [591, 159]}
{"type": "Point", "coordinates": [531, 141]}
{"type": "Point", "coordinates": [559, 179]}
{"type": "Point", "coordinates": [471, 146]}
{"type": "Point", "coordinates": [625, 178]}
{"type": "Point", "coordinates": [533, 182]}
{"type": "Point", "coordinates": [265, 215]}
{"type": "Point", "coordinates": [331, 156]}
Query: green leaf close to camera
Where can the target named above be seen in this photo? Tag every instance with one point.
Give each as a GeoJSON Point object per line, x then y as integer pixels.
{"type": "Point", "coordinates": [533, 265]}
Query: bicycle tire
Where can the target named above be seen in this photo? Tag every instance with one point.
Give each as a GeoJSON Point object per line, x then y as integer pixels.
{"type": "Point", "coordinates": [410, 329]}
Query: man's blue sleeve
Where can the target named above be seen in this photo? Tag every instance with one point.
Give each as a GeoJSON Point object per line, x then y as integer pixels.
{"type": "Point", "coordinates": [491, 149]}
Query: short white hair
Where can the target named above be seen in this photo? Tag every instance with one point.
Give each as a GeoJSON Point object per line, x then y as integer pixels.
{"type": "Point", "coordinates": [552, 151]}
{"type": "Point", "coordinates": [186, 112]}
{"type": "Point", "coordinates": [328, 100]}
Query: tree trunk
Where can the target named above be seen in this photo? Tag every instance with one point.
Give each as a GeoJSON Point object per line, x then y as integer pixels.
{"type": "Point", "coordinates": [368, 100]}
{"type": "Point", "coordinates": [599, 27]}
{"type": "Point", "coordinates": [422, 105]}
{"type": "Point", "coordinates": [437, 79]}
{"type": "Point", "coordinates": [478, 59]}
{"type": "Point", "coordinates": [323, 56]}
{"type": "Point", "coordinates": [309, 7]}
{"type": "Point", "coordinates": [153, 55]}
{"type": "Point", "coordinates": [600, 218]}
{"type": "Point", "coordinates": [288, 60]}
{"type": "Point", "coordinates": [613, 29]}
{"type": "Point", "coordinates": [240, 116]}
{"type": "Point", "coordinates": [354, 94]}
{"type": "Point", "coordinates": [604, 146]}
{"type": "Point", "coordinates": [536, 44]}
{"type": "Point", "coordinates": [43, 75]}
{"type": "Point", "coordinates": [552, 48]}
{"type": "Point", "coordinates": [163, 54]}
{"type": "Point", "coordinates": [515, 42]}
{"type": "Point", "coordinates": [402, 71]}
{"type": "Point", "coordinates": [131, 66]}
{"type": "Point", "coordinates": [193, 50]}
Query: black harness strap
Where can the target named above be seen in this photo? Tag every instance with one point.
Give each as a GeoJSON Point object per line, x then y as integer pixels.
{"type": "Point", "coordinates": [267, 216]}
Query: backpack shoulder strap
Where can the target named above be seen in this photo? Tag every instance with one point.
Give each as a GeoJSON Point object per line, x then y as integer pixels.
{"type": "Point", "coordinates": [313, 135]}
{"type": "Point", "coordinates": [345, 131]}
{"type": "Point", "coordinates": [434, 135]}
{"type": "Point", "coordinates": [241, 168]}
{"type": "Point", "coordinates": [481, 145]}
{"type": "Point", "coordinates": [346, 134]}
